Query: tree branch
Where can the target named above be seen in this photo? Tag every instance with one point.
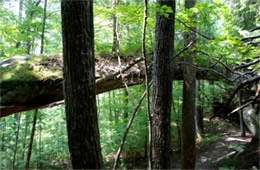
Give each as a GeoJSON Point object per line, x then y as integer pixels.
{"type": "Point", "coordinates": [229, 100]}
{"type": "Point", "coordinates": [193, 30]}
{"type": "Point", "coordinates": [257, 28]}
{"type": "Point", "coordinates": [250, 38]}
{"type": "Point", "coordinates": [248, 64]}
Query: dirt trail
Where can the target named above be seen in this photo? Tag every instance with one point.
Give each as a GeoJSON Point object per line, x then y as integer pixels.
{"type": "Point", "coordinates": [229, 152]}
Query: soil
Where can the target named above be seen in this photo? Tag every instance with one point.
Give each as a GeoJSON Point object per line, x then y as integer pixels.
{"type": "Point", "coordinates": [231, 151]}
{"type": "Point", "coordinates": [221, 148]}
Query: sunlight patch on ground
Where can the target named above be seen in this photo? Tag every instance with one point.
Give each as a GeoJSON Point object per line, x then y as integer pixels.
{"type": "Point", "coordinates": [225, 156]}
{"type": "Point", "coordinates": [239, 139]}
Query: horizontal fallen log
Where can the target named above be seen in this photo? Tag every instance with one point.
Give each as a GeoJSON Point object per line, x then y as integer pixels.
{"type": "Point", "coordinates": [32, 82]}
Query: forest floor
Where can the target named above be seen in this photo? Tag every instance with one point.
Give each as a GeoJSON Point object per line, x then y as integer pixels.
{"type": "Point", "coordinates": [221, 148]}
{"type": "Point", "coordinates": [230, 151]}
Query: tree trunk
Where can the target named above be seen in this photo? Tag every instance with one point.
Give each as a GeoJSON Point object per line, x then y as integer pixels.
{"type": "Point", "coordinates": [116, 111]}
{"type": "Point", "coordinates": [25, 136]}
{"type": "Point", "coordinates": [40, 142]}
{"type": "Point", "coordinates": [16, 138]}
{"type": "Point", "coordinates": [29, 153]}
{"type": "Point", "coordinates": [188, 133]}
{"type": "Point", "coordinates": [79, 84]}
{"type": "Point", "coordinates": [115, 47]}
{"type": "Point", "coordinates": [43, 25]}
{"type": "Point", "coordinates": [110, 114]}
{"type": "Point", "coordinates": [162, 88]}
{"type": "Point", "coordinates": [241, 119]}
{"type": "Point", "coordinates": [148, 111]}
{"type": "Point", "coordinates": [125, 114]}
{"type": "Point", "coordinates": [199, 113]}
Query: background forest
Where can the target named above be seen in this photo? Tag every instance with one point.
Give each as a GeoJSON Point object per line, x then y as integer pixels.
{"type": "Point", "coordinates": [228, 34]}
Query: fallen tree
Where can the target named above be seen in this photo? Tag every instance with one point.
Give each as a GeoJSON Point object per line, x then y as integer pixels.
{"type": "Point", "coordinates": [31, 82]}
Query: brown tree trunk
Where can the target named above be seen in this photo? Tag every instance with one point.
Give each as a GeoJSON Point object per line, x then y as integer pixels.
{"type": "Point", "coordinates": [241, 118]}
{"type": "Point", "coordinates": [79, 84]}
{"type": "Point", "coordinates": [17, 137]}
{"type": "Point", "coordinates": [188, 133]}
{"type": "Point", "coordinates": [199, 113]}
{"type": "Point", "coordinates": [110, 118]}
{"type": "Point", "coordinates": [25, 136]}
{"type": "Point", "coordinates": [43, 25]}
{"type": "Point", "coordinates": [162, 88]}
{"type": "Point", "coordinates": [125, 114]}
{"type": "Point", "coordinates": [115, 47]}
{"type": "Point", "coordinates": [148, 111]}
{"type": "Point", "coordinates": [29, 153]}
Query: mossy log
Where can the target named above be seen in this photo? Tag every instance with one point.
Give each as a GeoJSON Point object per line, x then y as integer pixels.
{"type": "Point", "coordinates": [30, 82]}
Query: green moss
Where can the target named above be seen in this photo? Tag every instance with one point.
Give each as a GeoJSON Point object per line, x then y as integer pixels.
{"type": "Point", "coordinates": [35, 68]}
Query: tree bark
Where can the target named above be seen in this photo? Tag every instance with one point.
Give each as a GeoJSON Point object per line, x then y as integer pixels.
{"type": "Point", "coordinates": [22, 94]}
{"type": "Point", "coordinates": [43, 25]}
{"type": "Point", "coordinates": [16, 138]}
{"type": "Point", "coordinates": [188, 133]}
{"type": "Point", "coordinates": [162, 88]}
{"type": "Point", "coordinates": [125, 114]}
{"type": "Point", "coordinates": [79, 84]}
{"type": "Point", "coordinates": [241, 119]}
{"type": "Point", "coordinates": [25, 135]}
{"type": "Point", "coordinates": [199, 113]}
{"type": "Point", "coordinates": [115, 47]}
{"type": "Point", "coordinates": [29, 153]}
{"type": "Point", "coordinates": [148, 111]}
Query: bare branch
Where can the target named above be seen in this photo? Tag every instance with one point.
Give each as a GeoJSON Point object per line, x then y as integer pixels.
{"type": "Point", "coordinates": [193, 30]}
{"type": "Point", "coordinates": [229, 100]}
{"type": "Point", "coordinates": [241, 107]}
{"type": "Point", "coordinates": [248, 64]}
{"type": "Point", "coordinates": [124, 82]}
{"type": "Point", "coordinates": [250, 38]}
{"type": "Point", "coordinates": [257, 28]}
{"type": "Point", "coordinates": [127, 129]}
{"type": "Point", "coordinates": [184, 49]}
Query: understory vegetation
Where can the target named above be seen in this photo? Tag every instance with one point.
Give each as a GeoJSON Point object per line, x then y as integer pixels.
{"type": "Point", "coordinates": [227, 41]}
{"type": "Point", "coordinates": [114, 110]}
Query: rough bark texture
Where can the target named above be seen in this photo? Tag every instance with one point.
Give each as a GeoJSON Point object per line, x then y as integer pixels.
{"type": "Point", "coordinates": [162, 88]}
{"type": "Point", "coordinates": [79, 84]}
{"type": "Point", "coordinates": [188, 133]}
{"type": "Point", "coordinates": [30, 82]}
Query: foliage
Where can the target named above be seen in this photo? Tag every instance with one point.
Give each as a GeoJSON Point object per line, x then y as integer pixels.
{"type": "Point", "coordinates": [220, 25]}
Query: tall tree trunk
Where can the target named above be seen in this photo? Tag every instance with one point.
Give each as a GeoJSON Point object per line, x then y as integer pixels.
{"type": "Point", "coordinates": [188, 133]}
{"type": "Point", "coordinates": [125, 114]}
{"type": "Point", "coordinates": [30, 14]}
{"type": "Point", "coordinates": [241, 118]}
{"type": "Point", "coordinates": [43, 25]}
{"type": "Point", "coordinates": [29, 153]}
{"type": "Point", "coordinates": [3, 130]}
{"type": "Point", "coordinates": [25, 136]}
{"type": "Point", "coordinates": [115, 47]}
{"type": "Point", "coordinates": [16, 138]}
{"type": "Point", "coordinates": [148, 111]}
{"type": "Point", "coordinates": [79, 84]}
{"type": "Point", "coordinates": [20, 10]}
{"type": "Point", "coordinates": [162, 88]}
{"type": "Point", "coordinates": [115, 109]}
{"type": "Point", "coordinates": [199, 113]}
{"type": "Point", "coordinates": [110, 118]}
{"type": "Point", "coordinates": [40, 142]}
